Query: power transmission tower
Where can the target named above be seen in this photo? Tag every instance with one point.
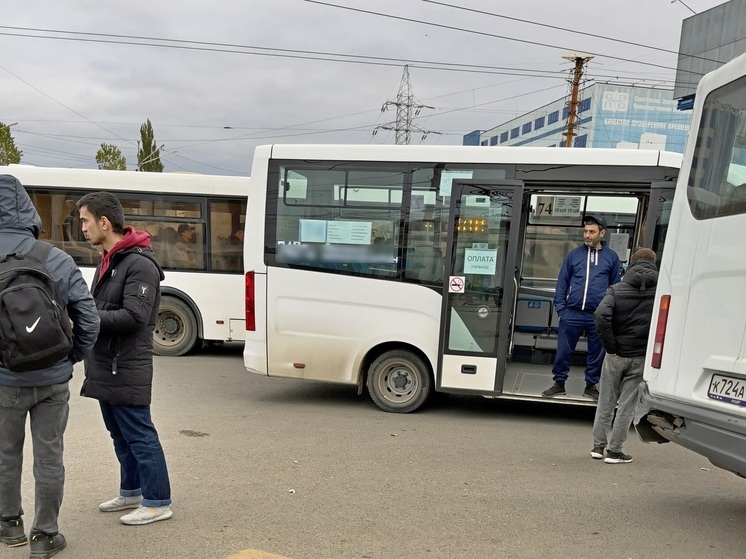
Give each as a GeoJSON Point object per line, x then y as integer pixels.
{"type": "Point", "coordinates": [405, 106]}
{"type": "Point", "coordinates": [580, 62]}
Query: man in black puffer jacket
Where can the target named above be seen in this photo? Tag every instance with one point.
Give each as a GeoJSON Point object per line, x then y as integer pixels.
{"type": "Point", "coordinates": [623, 323]}
{"type": "Point", "coordinates": [119, 372]}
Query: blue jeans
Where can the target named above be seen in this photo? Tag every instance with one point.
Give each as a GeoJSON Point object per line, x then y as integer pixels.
{"type": "Point", "coordinates": [142, 462]}
{"type": "Point", "coordinates": [571, 326]}
{"type": "Point", "coordinates": [620, 380]}
{"type": "Point", "coordinates": [48, 408]}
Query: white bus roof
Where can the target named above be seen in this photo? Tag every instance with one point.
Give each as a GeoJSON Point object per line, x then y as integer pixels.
{"type": "Point", "coordinates": [473, 154]}
{"type": "Point", "coordinates": [166, 183]}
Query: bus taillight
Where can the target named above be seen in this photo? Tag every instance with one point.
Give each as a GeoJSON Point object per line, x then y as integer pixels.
{"type": "Point", "coordinates": [250, 303]}
{"type": "Point", "coordinates": [660, 331]}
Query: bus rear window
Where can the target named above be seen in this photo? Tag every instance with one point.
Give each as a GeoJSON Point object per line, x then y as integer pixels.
{"type": "Point", "coordinates": [717, 181]}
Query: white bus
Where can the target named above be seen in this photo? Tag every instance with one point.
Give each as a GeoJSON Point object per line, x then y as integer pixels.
{"type": "Point", "coordinates": [694, 390]}
{"type": "Point", "coordinates": [408, 269]}
{"type": "Point", "coordinates": [202, 295]}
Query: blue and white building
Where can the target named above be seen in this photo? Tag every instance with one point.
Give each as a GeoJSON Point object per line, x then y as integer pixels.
{"type": "Point", "coordinates": [608, 116]}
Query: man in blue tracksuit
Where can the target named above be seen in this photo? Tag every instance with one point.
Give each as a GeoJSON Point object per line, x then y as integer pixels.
{"type": "Point", "coordinates": [586, 274]}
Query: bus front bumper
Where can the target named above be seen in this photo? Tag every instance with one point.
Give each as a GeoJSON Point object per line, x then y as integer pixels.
{"type": "Point", "coordinates": [719, 437]}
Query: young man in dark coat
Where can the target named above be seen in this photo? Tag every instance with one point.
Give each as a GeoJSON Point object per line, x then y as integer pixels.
{"type": "Point", "coordinates": [119, 372]}
{"type": "Point", "coordinates": [42, 394]}
{"type": "Point", "coordinates": [623, 323]}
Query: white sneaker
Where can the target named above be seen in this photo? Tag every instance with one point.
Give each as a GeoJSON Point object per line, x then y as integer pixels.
{"type": "Point", "coordinates": [121, 503]}
{"type": "Point", "coordinates": [146, 515]}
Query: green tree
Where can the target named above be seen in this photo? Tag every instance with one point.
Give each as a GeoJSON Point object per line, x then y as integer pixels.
{"type": "Point", "coordinates": [148, 155]}
{"type": "Point", "coordinates": [9, 153]}
{"type": "Point", "coordinates": [110, 157]}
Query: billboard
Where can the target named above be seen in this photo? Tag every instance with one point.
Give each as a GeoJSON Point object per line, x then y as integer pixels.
{"type": "Point", "coordinates": [638, 118]}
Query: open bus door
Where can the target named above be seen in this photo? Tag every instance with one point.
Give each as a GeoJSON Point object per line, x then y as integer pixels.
{"type": "Point", "coordinates": [659, 214]}
{"type": "Point", "coordinates": [479, 285]}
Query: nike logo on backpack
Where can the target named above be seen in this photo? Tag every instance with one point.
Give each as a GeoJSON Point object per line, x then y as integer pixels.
{"type": "Point", "coordinates": [31, 328]}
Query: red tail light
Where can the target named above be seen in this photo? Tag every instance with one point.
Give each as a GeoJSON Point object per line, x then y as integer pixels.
{"type": "Point", "coordinates": [660, 331]}
{"type": "Point", "coordinates": [250, 303]}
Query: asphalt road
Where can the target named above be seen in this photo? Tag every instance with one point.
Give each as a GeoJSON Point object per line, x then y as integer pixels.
{"type": "Point", "coordinates": [265, 467]}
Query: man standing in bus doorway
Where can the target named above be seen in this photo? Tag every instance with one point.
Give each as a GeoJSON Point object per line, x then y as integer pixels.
{"type": "Point", "coordinates": [119, 371]}
{"type": "Point", "coordinates": [43, 393]}
{"type": "Point", "coordinates": [586, 274]}
{"type": "Point", "coordinates": [623, 323]}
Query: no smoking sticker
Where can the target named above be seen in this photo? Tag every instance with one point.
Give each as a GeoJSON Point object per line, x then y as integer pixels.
{"type": "Point", "coordinates": [456, 284]}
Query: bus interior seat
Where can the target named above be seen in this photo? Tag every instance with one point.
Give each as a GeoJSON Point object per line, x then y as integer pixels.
{"type": "Point", "coordinates": [532, 314]}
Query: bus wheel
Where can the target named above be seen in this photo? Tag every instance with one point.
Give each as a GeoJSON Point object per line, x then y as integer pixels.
{"type": "Point", "coordinates": [399, 382]}
{"type": "Point", "coordinates": [175, 328]}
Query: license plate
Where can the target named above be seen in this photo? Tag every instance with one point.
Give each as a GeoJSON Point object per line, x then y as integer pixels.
{"type": "Point", "coordinates": [727, 389]}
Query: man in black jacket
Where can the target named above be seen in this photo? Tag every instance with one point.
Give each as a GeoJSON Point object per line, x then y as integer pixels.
{"type": "Point", "coordinates": [623, 323]}
{"type": "Point", "coordinates": [41, 394]}
{"type": "Point", "coordinates": [119, 372]}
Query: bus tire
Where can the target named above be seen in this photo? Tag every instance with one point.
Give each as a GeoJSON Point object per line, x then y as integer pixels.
{"type": "Point", "coordinates": [399, 381]}
{"type": "Point", "coordinates": [175, 328]}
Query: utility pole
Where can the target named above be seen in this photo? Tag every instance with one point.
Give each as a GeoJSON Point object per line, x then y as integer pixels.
{"type": "Point", "coordinates": [580, 62]}
{"type": "Point", "coordinates": [404, 106]}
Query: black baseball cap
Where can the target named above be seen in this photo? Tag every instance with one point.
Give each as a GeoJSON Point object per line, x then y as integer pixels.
{"type": "Point", "coordinates": [595, 218]}
{"type": "Point", "coordinates": [185, 227]}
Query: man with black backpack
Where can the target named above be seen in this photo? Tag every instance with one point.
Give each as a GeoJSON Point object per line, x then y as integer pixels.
{"type": "Point", "coordinates": [48, 322]}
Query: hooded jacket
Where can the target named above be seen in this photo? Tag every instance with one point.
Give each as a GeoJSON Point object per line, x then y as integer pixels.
{"type": "Point", "coordinates": [623, 317]}
{"type": "Point", "coordinates": [20, 226]}
{"type": "Point", "coordinates": [585, 276]}
{"type": "Point", "coordinates": [126, 288]}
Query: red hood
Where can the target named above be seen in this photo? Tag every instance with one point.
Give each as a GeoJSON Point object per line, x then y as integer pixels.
{"type": "Point", "coordinates": [132, 238]}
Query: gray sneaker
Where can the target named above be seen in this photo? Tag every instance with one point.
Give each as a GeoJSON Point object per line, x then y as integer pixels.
{"type": "Point", "coordinates": [146, 515]}
{"type": "Point", "coordinates": [121, 503]}
{"type": "Point", "coordinates": [12, 533]}
{"type": "Point", "coordinates": [591, 390]}
{"type": "Point", "coordinates": [44, 546]}
{"type": "Point", "coordinates": [556, 389]}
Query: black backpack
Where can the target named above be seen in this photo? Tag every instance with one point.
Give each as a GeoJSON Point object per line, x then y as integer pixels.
{"type": "Point", "coordinates": [35, 329]}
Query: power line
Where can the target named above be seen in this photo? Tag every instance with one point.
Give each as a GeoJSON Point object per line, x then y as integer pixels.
{"type": "Point", "coordinates": [207, 46]}
{"type": "Point", "coordinates": [482, 33]}
{"type": "Point", "coordinates": [567, 30]}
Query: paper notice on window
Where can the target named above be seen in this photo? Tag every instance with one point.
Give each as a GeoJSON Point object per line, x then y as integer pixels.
{"type": "Point", "coordinates": [312, 231]}
{"type": "Point", "coordinates": [481, 262]}
{"type": "Point", "coordinates": [349, 232]}
{"type": "Point", "coordinates": [618, 242]}
{"type": "Point", "coordinates": [446, 180]}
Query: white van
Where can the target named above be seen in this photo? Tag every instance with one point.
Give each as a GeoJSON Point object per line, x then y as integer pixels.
{"type": "Point", "coordinates": [694, 389]}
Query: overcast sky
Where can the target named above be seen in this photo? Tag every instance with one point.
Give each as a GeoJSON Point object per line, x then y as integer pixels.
{"type": "Point", "coordinates": [213, 99]}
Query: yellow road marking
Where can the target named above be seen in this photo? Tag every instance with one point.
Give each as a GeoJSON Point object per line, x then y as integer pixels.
{"type": "Point", "coordinates": [255, 554]}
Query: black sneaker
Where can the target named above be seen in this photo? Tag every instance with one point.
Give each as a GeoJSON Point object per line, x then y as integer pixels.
{"type": "Point", "coordinates": [617, 458]}
{"type": "Point", "coordinates": [591, 391]}
{"type": "Point", "coordinates": [44, 546]}
{"type": "Point", "coordinates": [597, 453]}
{"type": "Point", "coordinates": [555, 390]}
{"type": "Point", "coordinates": [12, 533]}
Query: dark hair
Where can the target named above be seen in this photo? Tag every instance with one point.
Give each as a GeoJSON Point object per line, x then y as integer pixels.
{"type": "Point", "coordinates": [643, 254]}
{"type": "Point", "coordinates": [104, 204]}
